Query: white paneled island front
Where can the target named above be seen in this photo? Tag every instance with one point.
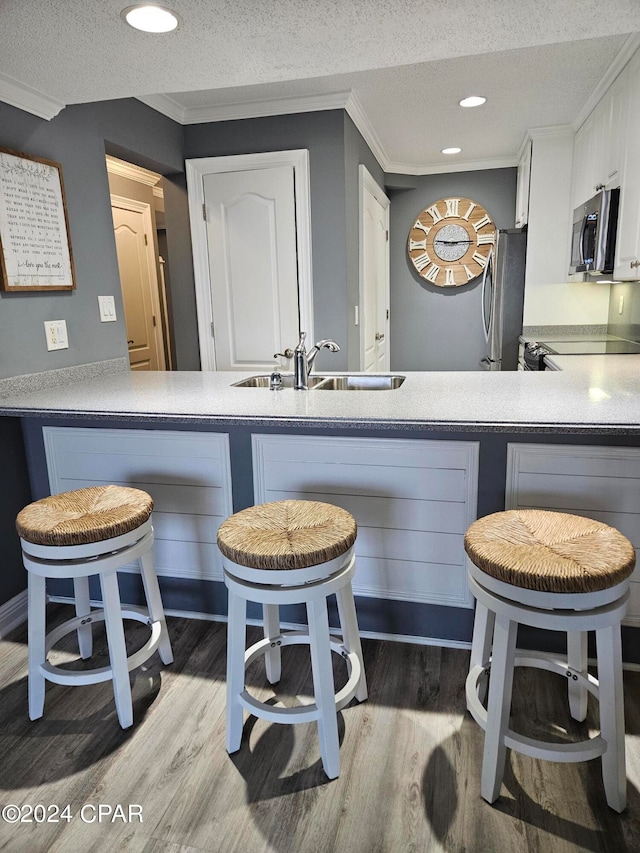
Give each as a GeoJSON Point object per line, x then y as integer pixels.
{"type": "Point", "coordinates": [415, 465]}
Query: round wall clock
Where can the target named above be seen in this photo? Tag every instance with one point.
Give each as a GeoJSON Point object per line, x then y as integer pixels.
{"type": "Point", "coordinates": [450, 241]}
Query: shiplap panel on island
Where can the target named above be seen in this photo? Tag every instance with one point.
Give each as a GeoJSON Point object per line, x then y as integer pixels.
{"type": "Point", "coordinates": [598, 482]}
{"type": "Point", "coordinates": [412, 500]}
{"type": "Point", "coordinates": [187, 474]}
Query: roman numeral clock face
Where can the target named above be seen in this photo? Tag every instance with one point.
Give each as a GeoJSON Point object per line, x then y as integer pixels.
{"type": "Point", "coordinates": [450, 241]}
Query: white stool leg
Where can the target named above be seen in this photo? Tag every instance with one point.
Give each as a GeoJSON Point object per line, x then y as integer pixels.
{"type": "Point", "coordinates": [611, 699]}
{"type": "Point", "coordinates": [273, 656]}
{"type": "Point", "coordinates": [117, 648]}
{"type": "Point", "coordinates": [323, 685]}
{"type": "Point", "coordinates": [236, 640]}
{"type": "Point", "coordinates": [577, 661]}
{"type": "Point", "coordinates": [83, 608]}
{"type": "Point", "coordinates": [350, 633]}
{"type": "Point", "coordinates": [37, 605]}
{"type": "Point", "coordinates": [495, 750]}
{"type": "Point", "coordinates": [481, 644]}
{"type": "Point", "coordinates": [154, 605]}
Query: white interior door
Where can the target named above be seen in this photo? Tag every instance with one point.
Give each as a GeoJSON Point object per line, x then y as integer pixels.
{"type": "Point", "coordinates": [134, 244]}
{"type": "Point", "coordinates": [251, 236]}
{"type": "Point", "coordinates": [374, 275]}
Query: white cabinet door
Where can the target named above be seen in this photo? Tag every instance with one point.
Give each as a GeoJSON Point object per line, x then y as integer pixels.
{"type": "Point", "coordinates": [522, 190]}
{"type": "Point", "coordinates": [627, 267]}
{"type": "Point", "coordinates": [600, 142]}
{"type": "Point", "coordinates": [617, 129]}
{"type": "Point", "coordinates": [583, 163]}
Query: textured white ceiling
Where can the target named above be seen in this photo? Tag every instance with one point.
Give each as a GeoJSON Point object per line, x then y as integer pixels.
{"type": "Point", "coordinates": [407, 61]}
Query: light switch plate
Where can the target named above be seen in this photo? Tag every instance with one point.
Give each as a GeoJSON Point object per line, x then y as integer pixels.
{"type": "Point", "coordinates": [107, 309]}
{"type": "Point", "coordinates": [56, 334]}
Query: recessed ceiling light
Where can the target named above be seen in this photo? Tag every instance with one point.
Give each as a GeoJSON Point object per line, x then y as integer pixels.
{"type": "Point", "coordinates": [472, 101]}
{"type": "Point", "coordinates": [150, 18]}
{"type": "Point", "coordinates": [451, 150]}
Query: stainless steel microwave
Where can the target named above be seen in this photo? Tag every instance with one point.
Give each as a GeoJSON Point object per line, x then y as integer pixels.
{"type": "Point", "coordinates": [593, 241]}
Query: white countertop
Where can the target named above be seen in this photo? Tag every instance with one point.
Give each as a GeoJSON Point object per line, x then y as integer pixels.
{"type": "Point", "coordinates": [589, 394]}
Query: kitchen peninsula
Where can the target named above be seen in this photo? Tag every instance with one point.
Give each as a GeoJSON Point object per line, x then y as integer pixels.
{"type": "Point", "coordinates": [415, 465]}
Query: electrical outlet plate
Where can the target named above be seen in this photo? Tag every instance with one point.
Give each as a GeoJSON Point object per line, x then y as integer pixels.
{"type": "Point", "coordinates": [56, 334]}
{"type": "Point", "coordinates": [107, 309]}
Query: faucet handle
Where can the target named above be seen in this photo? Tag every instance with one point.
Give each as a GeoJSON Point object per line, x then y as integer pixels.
{"type": "Point", "coordinates": [288, 353]}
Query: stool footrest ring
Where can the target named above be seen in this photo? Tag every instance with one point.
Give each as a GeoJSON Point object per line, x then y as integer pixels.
{"type": "Point", "coordinates": [301, 713]}
{"type": "Point", "coordinates": [584, 750]}
{"type": "Point", "coordinates": [60, 675]}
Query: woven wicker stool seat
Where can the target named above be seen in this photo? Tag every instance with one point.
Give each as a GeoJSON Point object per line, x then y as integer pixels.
{"type": "Point", "coordinates": [559, 572]}
{"type": "Point", "coordinates": [292, 552]}
{"type": "Point", "coordinates": [74, 535]}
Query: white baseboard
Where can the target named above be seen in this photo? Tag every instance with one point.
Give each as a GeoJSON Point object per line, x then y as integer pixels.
{"type": "Point", "coordinates": [13, 613]}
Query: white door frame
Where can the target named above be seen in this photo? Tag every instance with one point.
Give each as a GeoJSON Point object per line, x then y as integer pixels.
{"type": "Point", "coordinates": [367, 183]}
{"type": "Point", "coordinates": [143, 207]}
{"type": "Point", "coordinates": [196, 169]}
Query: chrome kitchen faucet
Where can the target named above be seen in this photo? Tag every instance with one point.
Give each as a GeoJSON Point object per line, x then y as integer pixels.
{"type": "Point", "coordinates": [303, 360]}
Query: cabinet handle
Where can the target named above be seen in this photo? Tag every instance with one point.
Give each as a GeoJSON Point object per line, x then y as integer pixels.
{"type": "Point", "coordinates": [379, 336]}
{"type": "Point", "coordinates": [634, 264]}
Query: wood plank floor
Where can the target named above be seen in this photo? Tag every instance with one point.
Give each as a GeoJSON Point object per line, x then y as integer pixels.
{"type": "Point", "coordinates": [410, 762]}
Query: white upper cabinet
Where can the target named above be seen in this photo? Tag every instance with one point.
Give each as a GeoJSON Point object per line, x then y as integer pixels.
{"type": "Point", "coordinates": [582, 163]}
{"type": "Point", "coordinates": [523, 182]}
{"type": "Point", "coordinates": [618, 97]}
{"type": "Point", "coordinates": [627, 263]}
{"type": "Point", "coordinates": [600, 142]}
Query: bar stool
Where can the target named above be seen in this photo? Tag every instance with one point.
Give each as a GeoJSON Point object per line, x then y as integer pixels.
{"type": "Point", "coordinates": [287, 552]}
{"type": "Point", "coordinates": [92, 531]}
{"type": "Point", "coordinates": [559, 572]}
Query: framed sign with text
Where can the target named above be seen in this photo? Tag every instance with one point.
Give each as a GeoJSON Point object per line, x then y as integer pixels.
{"type": "Point", "coordinates": [35, 250]}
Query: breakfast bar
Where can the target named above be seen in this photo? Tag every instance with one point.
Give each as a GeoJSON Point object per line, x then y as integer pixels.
{"type": "Point", "coordinates": [415, 464]}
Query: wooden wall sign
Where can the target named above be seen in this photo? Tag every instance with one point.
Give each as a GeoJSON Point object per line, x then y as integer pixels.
{"type": "Point", "coordinates": [35, 251]}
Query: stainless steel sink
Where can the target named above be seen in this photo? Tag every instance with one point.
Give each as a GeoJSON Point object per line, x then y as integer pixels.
{"type": "Point", "coordinates": [364, 382]}
{"type": "Point", "coordinates": [264, 379]}
{"type": "Point", "coordinates": [345, 382]}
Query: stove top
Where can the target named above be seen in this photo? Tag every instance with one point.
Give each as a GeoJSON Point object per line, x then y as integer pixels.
{"type": "Point", "coordinates": [618, 347]}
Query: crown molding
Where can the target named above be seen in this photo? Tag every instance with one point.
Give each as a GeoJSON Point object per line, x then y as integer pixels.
{"type": "Point", "coordinates": [445, 168]}
{"type": "Point", "coordinates": [551, 130]}
{"type": "Point", "coordinates": [627, 50]}
{"type": "Point", "coordinates": [360, 119]}
{"type": "Point", "coordinates": [165, 105]}
{"type": "Point", "coordinates": [131, 171]}
{"type": "Point", "coordinates": [30, 100]}
{"type": "Point", "coordinates": [270, 107]}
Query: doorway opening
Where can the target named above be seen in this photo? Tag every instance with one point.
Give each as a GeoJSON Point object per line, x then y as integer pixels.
{"type": "Point", "coordinates": [137, 207]}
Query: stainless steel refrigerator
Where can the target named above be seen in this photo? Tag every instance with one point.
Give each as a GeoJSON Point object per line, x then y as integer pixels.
{"type": "Point", "coordinates": [503, 299]}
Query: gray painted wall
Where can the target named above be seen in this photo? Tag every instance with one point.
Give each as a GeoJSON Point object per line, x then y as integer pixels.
{"type": "Point", "coordinates": [435, 328]}
{"type": "Point", "coordinates": [78, 138]}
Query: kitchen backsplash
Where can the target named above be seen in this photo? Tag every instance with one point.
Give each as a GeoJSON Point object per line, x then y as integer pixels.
{"type": "Point", "coordinates": [624, 310]}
